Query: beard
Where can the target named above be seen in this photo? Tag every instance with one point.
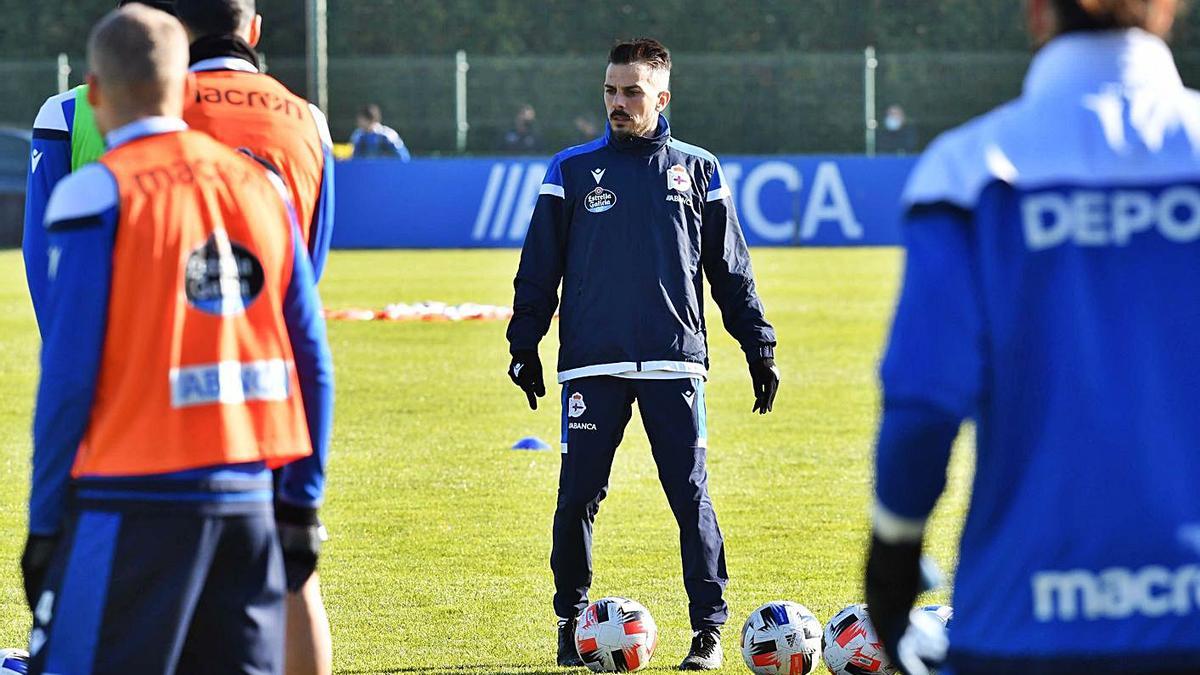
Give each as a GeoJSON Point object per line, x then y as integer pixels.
{"type": "Point", "coordinates": [623, 134]}
{"type": "Point", "coordinates": [628, 130]}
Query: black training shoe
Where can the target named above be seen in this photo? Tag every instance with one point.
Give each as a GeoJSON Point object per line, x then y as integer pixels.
{"type": "Point", "coordinates": [706, 652]}
{"type": "Point", "coordinates": [568, 656]}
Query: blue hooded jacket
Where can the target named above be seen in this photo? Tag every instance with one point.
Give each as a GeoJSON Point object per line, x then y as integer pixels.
{"type": "Point", "coordinates": [630, 227]}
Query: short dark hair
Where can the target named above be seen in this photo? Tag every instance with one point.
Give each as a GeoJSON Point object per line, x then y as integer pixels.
{"type": "Point", "coordinates": [641, 50]}
{"type": "Point", "coordinates": [371, 113]}
{"type": "Point", "coordinates": [140, 53]}
{"type": "Point", "coordinates": [167, 6]}
{"type": "Point", "coordinates": [215, 17]}
{"type": "Point", "coordinates": [1094, 15]}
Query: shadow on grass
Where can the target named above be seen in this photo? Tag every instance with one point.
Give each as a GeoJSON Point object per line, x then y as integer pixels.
{"type": "Point", "coordinates": [481, 669]}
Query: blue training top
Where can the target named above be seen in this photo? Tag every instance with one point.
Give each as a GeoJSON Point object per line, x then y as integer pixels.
{"type": "Point", "coordinates": [1051, 292]}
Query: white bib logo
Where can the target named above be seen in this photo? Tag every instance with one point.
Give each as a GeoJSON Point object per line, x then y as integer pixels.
{"type": "Point", "coordinates": [1115, 593]}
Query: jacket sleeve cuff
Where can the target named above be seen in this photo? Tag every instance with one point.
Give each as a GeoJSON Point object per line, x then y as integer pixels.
{"type": "Point", "coordinates": [759, 351]}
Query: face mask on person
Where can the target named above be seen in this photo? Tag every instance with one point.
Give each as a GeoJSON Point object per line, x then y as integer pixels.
{"type": "Point", "coordinates": [893, 122]}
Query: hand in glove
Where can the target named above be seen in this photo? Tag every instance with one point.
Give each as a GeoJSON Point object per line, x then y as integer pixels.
{"type": "Point", "coordinates": [300, 536]}
{"type": "Point", "coordinates": [914, 641]}
{"type": "Point", "coordinates": [526, 372]}
{"type": "Point", "coordinates": [765, 376]}
{"type": "Point", "coordinates": [35, 562]}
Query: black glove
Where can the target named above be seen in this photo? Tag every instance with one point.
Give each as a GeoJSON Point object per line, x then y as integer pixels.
{"type": "Point", "coordinates": [765, 376]}
{"type": "Point", "coordinates": [526, 372]}
{"type": "Point", "coordinates": [300, 537]}
{"type": "Point", "coordinates": [35, 562]}
{"type": "Point", "coordinates": [914, 643]}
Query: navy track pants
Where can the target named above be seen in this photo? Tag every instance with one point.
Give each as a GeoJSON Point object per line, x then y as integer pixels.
{"type": "Point", "coordinates": [160, 593]}
{"type": "Point", "coordinates": [596, 411]}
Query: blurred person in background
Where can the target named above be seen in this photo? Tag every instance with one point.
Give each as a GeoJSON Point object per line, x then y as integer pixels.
{"type": "Point", "coordinates": [523, 138]}
{"type": "Point", "coordinates": [252, 112]}
{"type": "Point", "coordinates": [65, 138]}
{"type": "Point", "coordinates": [585, 128]}
{"type": "Point", "coordinates": [630, 225]}
{"type": "Point", "coordinates": [897, 136]}
{"type": "Point", "coordinates": [153, 547]}
{"type": "Point", "coordinates": [375, 140]}
{"type": "Point", "coordinates": [1050, 287]}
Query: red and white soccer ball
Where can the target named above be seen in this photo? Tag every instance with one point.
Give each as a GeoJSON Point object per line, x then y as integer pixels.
{"type": "Point", "coordinates": [14, 662]}
{"type": "Point", "coordinates": [781, 638]}
{"type": "Point", "coordinates": [851, 647]}
{"type": "Point", "coordinates": [616, 635]}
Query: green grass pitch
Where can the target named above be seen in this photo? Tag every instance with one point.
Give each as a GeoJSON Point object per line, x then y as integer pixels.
{"type": "Point", "coordinates": [438, 561]}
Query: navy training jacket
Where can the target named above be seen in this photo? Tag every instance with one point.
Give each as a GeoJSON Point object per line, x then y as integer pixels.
{"type": "Point", "coordinates": [630, 227]}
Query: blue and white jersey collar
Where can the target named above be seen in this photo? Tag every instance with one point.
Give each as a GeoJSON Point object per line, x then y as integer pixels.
{"type": "Point", "coordinates": [1089, 61]}
{"type": "Point", "coordinates": [147, 126]}
{"type": "Point", "coordinates": [224, 63]}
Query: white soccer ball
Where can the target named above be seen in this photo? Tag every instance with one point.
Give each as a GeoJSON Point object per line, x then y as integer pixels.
{"type": "Point", "coordinates": [616, 635]}
{"type": "Point", "coordinates": [851, 647]}
{"type": "Point", "coordinates": [781, 638]}
{"type": "Point", "coordinates": [14, 662]}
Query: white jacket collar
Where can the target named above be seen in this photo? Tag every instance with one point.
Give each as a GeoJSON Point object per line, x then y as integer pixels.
{"type": "Point", "coordinates": [1090, 61]}
{"type": "Point", "coordinates": [147, 126]}
{"type": "Point", "coordinates": [224, 63]}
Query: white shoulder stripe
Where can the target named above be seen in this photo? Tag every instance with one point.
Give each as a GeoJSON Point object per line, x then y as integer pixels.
{"type": "Point", "coordinates": [322, 125]}
{"type": "Point", "coordinates": [552, 189]}
{"type": "Point", "coordinates": [51, 116]}
{"type": "Point", "coordinates": [694, 150]}
{"type": "Point", "coordinates": [718, 194]}
{"type": "Point", "coordinates": [90, 191]}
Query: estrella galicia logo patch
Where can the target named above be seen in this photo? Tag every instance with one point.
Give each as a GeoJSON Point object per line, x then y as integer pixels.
{"type": "Point", "coordinates": [599, 200]}
{"type": "Point", "coordinates": [221, 277]}
{"type": "Point", "coordinates": [575, 405]}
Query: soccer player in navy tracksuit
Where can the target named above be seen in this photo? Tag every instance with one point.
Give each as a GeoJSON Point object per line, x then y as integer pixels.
{"type": "Point", "coordinates": [1050, 293]}
{"type": "Point", "coordinates": [630, 224]}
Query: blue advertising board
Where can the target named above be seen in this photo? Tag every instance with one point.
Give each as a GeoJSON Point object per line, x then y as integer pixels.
{"type": "Point", "coordinates": [486, 203]}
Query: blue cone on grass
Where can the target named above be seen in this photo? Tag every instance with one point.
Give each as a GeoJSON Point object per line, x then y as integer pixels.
{"type": "Point", "coordinates": [531, 443]}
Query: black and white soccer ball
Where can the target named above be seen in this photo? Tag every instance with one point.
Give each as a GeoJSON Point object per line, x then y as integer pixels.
{"type": "Point", "coordinates": [850, 645]}
{"type": "Point", "coordinates": [781, 638]}
{"type": "Point", "coordinates": [616, 635]}
{"type": "Point", "coordinates": [14, 662]}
